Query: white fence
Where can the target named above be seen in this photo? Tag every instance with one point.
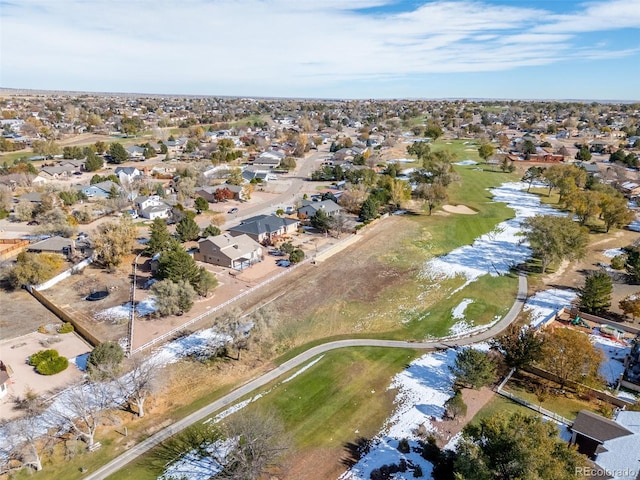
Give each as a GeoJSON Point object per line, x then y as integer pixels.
{"type": "Point", "coordinates": [537, 408]}
{"type": "Point", "coordinates": [217, 308]}
{"type": "Point", "coordinates": [66, 274]}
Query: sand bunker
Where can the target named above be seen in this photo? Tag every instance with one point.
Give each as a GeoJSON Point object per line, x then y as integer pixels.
{"type": "Point", "coordinates": [462, 209]}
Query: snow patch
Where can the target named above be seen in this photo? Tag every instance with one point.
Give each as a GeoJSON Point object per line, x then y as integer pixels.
{"type": "Point", "coordinates": [544, 304]}
{"type": "Point", "coordinates": [494, 253]}
{"type": "Point", "coordinates": [613, 252]}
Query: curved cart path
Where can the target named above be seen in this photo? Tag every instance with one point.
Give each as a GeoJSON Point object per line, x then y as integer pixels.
{"type": "Point", "coordinates": [143, 447]}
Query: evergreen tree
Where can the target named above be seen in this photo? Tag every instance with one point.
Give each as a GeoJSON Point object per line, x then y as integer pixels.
{"type": "Point", "coordinates": [473, 368]}
{"type": "Point", "coordinates": [211, 231]}
{"type": "Point", "coordinates": [369, 209]}
{"type": "Point", "coordinates": [633, 264]}
{"type": "Point", "coordinates": [519, 346]}
{"type": "Point", "coordinates": [595, 296]}
{"type": "Point", "coordinates": [519, 446]}
{"type": "Point", "coordinates": [160, 238]}
{"type": "Point", "coordinates": [117, 153]}
{"type": "Point", "coordinates": [187, 228]}
{"type": "Point", "coordinates": [176, 264]}
{"type": "Point", "coordinates": [205, 282]}
{"type": "Point", "coordinates": [201, 204]}
{"type": "Point", "coordinates": [93, 162]}
{"type": "Point", "coordinates": [320, 221]}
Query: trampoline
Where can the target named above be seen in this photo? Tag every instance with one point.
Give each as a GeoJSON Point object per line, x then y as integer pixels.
{"type": "Point", "coordinates": [97, 295]}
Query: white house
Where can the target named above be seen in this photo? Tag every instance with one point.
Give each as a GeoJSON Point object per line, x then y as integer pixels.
{"type": "Point", "coordinates": [127, 174]}
{"type": "Point", "coordinates": [152, 207]}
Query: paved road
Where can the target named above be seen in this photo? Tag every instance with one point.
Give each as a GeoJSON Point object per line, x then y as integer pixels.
{"type": "Point", "coordinates": [131, 454]}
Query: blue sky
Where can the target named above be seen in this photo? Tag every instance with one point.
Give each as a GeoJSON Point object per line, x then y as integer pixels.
{"type": "Point", "coordinates": [521, 49]}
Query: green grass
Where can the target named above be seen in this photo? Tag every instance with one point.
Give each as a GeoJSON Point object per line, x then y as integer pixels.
{"type": "Point", "coordinates": [567, 405]}
{"type": "Point", "coordinates": [325, 405]}
{"type": "Point", "coordinates": [345, 392]}
{"type": "Point", "coordinates": [499, 404]}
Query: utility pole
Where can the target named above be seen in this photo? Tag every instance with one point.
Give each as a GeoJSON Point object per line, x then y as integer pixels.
{"type": "Point", "coordinates": [132, 309]}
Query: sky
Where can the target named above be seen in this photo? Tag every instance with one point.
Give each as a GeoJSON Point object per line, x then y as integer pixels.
{"type": "Point", "coordinates": [505, 49]}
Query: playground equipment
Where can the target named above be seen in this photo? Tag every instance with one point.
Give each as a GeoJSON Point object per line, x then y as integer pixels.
{"type": "Point", "coordinates": [579, 322]}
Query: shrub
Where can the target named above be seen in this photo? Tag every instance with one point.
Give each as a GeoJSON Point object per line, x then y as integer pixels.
{"type": "Point", "coordinates": [52, 366]}
{"type": "Point", "coordinates": [619, 262]}
{"type": "Point", "coordinates": [66, 327]}
{"type": "Point", "coordinates": [104, 360]}
{"type": "Point", "coordinates": [403, 446]}
{"type": "Point", "coordinates": [48, 362]}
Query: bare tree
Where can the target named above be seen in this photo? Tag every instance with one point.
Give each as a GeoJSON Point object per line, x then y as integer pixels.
{"type": "Point", "coordinates": [260, 442]}
{"type": "Point", "coordinates": [140, 383]}
{"type": "Point", "coordinates": [23, 435]}
{"type": "Point", "coordinates": [83, 409]}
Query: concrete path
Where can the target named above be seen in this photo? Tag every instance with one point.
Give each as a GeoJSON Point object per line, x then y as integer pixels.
{"type": "Point", "coordinates": [143, 447]}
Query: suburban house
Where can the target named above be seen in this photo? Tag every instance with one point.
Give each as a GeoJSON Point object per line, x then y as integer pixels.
{"type": "Point", "coordinates": [217, 171]}
{"type": "Point", "coordinates": [40, 180]}
{"type": "Point", "coordinates": [33, 197]}
{"type": "Point", "coordinates": [135, 152]}
{"type": "Point", "coordinates": [630, 189]}
{"type": "Point", "coordinates": [310, 208]}
{"type": "Point", "coordinates": [614, 445]}
{"type": "Point", "coordinates": [152, 207]}
{"type": "Point", "coordinates": [127, 174]}
{"type": "Point", "coordinates": [208, 193]}
{"type": "Point", "coordinates": [76, 165]}
{"type": "Point", "coordinates": [228, 251]}
{"type": "Point", "coordinates": [269, 159]}
{"type": "Point", "coordinates": [100, 190]}
{"type": "Point", "coordinates": [57, 244]}
{"type": "Point", "coordinates": [57, 172]}
{"type": "Point", "coordinates": [265, 228]}
{"type": "Point", "coordinates": [258, 173]}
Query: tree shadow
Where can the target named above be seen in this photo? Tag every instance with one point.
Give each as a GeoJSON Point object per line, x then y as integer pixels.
{"type": "Point", "coordinates": [355, 451]}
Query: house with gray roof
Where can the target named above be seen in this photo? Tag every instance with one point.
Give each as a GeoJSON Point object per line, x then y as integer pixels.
{"type": "Point", "coordinates": [57, 244]}
{"type": "Point", "coordinates": [135, 152]}
{"type": "Point", "coordinates": [127, 174]}
{"type": "Point", "coordinates": [100, 190]}
{"type": "Point", "coordinates": [225, 250]}
{"type": "Point", "coordinates": [208, 193]}
{"type": "Point", "coordinates": [310, 208]}
{"type": "Point", "coordinates": [591, 431]}
{"type": "Point", "coordinates": [265, 228]}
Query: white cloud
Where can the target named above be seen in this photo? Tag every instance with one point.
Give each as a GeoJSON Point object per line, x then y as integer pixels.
{"type": "Point", "coordinates": [285, 43]}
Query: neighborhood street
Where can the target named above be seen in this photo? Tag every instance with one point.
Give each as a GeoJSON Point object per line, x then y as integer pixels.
{"type": "Point", "coordinates": [299, 360]}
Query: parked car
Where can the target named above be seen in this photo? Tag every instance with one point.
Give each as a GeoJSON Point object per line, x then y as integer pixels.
{"type": "Point", "coordinates": [233, 210]}
{"type": "Point", "coordinates": [277, 253]}
{"type": "Point", "coordinates": [283, 263]}
{"type": "Point", "coordinates": [33, 222]}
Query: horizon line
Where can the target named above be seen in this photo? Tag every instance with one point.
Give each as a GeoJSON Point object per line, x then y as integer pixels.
{"type": "Point", "coordinates": [4, 90]}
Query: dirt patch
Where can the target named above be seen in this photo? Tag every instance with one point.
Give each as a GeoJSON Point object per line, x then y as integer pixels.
{"type": "Point", "coordinates": [15, 353]}
{"type": "Point", "coordinates": [315, 463]}
{"type": "Point", "coordinates": [461, 209]}
{"type": "Point", "coordinates": [21, 314]}
{"type": "Point", "coordinates": [572, 274]}
{"type": "Point", "coordinates": [475, 400]}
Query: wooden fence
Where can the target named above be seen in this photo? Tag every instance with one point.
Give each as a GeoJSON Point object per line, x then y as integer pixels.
{"type": "Point", "coordinates": [16, 246]}
{"type": "Point", "coordinates": [599, 394]}
{"type": "Point", "coordinates": [64, 316]}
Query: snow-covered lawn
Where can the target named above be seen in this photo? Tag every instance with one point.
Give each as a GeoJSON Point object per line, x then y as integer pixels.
{"type": "Point", "coordinates": [498, 251]}
{"type": "Point", "coordinates": [544, 304]}
{"type": "Point", "coordinates": [144, 307]}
